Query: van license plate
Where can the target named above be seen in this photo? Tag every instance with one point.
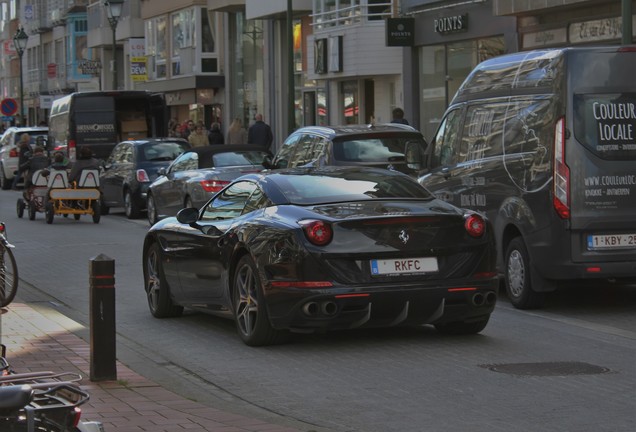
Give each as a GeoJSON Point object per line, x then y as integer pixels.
{"type": "Point", "coordinates": [403, 266]}
{"type": "Point", "coordinates": [611, 241]}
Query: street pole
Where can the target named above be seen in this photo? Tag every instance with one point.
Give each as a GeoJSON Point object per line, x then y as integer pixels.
{"type": "Point", "coordinates": [20, 40]}
{"type": "Point", "coordinates": [113, 11]}
{"type": "Point", "coordinates": [291, 110]}
{"type": "Point", "coordinates": [627, 22]}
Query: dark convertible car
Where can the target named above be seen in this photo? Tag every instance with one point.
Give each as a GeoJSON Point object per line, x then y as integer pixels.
{"type": "Point", "coordinates": [315, 249]}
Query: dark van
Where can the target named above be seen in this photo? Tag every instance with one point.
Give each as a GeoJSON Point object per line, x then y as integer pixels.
{"type": "Point", "coordinates": [102, 119]}
{"type": "Point", "coordinates": [544, 143]}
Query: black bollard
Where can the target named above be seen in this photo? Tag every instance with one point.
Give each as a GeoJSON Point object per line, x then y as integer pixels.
{"type": "Point", "coordinates": [102, 320]}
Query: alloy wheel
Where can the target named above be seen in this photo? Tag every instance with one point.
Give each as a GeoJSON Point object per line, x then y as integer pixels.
{"type": "Point", "coordinates": [247, 304]}
{"type": "Point", "coordinates": [516, 273]}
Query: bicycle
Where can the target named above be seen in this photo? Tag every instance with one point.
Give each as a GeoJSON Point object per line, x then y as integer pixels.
{"type": "Point", "coordinates": [8, 269]}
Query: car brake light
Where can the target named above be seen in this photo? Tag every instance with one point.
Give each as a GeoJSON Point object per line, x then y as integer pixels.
{"type": "Point", "coordinates": [14, 152]}
{"type": "Point", "coordinates": [213, 185]}
{"type": "Point", "coordinates": [142, 176]}
{"type": "Point", "coordinates": [317, 232]}
{"type": "Point", "coordinates": [475, 225]}
{"type": "Point", "coordinates": [561, 200]}
{"type": "Point", "coordinates": [72, 150]}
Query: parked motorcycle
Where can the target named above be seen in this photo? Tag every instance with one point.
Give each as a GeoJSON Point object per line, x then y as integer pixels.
{"type": "Point", "coordinates": [8, 269]}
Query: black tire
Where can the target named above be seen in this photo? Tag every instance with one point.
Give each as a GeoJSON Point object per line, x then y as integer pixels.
{"type": "Point", "coordinates": [19, 207]}
{"type": "Point", "coordinates": [250, 310]}
{"type": "Point", "coordinates": [518, 281]}
{"type": "Point", "coordinates": [5, 184]}
{"type": "Point", "coordinates": [153, 218]}
{"type": "Point", "coordinates": [97, 211]}
{"type": "Point", "coordinates": [463, 327]}
{"type": "Point", "coordinates": [131, 206]}
{"type": "Point", "coordinates": [77, 216]}
{"type": "Point", "coordinates": [49, 212]}
{"type": "Point", "coordinates": [8, 276]}
{"type": "Point", "coordinates": [103, 208]}
{"type": "Point", "coordinates": [32, 211]}
{"type": "Point", "coordinates": [156, 286]}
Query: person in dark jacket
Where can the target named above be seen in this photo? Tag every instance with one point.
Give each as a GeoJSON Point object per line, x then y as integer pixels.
{"type": "Point", "coordinates": [85, 161]}
{"type": "Point", "coordinates": [260, 133]}
{"type": "Point", "coordinates": [38, 161]}
{"type": "Point", "coordinates": [24, 153]}
{"type": "Point", "coordinates": [398, 116]}
{"type": "Point", "coordinates": [215, 136]}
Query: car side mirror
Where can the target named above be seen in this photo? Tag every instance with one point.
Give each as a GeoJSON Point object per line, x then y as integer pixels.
{"type": "Point", "coordinates": [414, 155]}
{"type": "Point", "coordinates": [282, 163]}
{"type": "Point", "coordinates": [188, 216]}
{"type": "Point", "coordinates": [267, 162]}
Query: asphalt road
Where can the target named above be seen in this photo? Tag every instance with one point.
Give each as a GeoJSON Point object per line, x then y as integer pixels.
{"type": "Point", "coordinates": [568, 367]}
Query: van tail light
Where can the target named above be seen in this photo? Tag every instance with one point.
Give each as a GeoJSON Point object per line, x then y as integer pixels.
{"type": "Point", "coordinates": [14, 152]}
{"type": "Point", "coordinates": [72, 150]}
{"type": "Point", "coordinates": [317, 232]}
{"type": "Point", "coordinates": [213, 185]}
{"type": "Point", "coordinates": [142, 176]}
{"type": "Point", "coordinates": [561, 181]}
{"type": "Point", "coordinates": [475, 225]}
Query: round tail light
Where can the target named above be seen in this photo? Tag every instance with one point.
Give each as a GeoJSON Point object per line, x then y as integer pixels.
{"type": "Point", "coordinates": [317, 232]}
{"type": "Point", "coordinates": [475, 225]}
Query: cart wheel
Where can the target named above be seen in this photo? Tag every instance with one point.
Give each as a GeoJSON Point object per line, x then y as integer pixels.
{"type": "Point", "coordinates": [20, 207]}
{"type": "Point", "coordinates": [76, 216]}
{"type": "Point", "coordinates": [96, 211]}
{"type": "Point", "coordinates": [32, 210]}
{"type": "Point", "coordinates": [49, 213]}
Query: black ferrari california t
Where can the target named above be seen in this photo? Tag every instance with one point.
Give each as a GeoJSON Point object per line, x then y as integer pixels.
{"type": "Point", "coordinates": [316, 249]}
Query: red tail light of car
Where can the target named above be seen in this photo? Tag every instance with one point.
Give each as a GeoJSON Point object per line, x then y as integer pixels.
{"type": "Point", "coordinates": [213, 185]}
{"type": "Point", "coordinates": [561, 182]}
{"type": "Point", "coordinates": [475, 225]}
{"type": "Point", "coordinates": [142, 176]}
{"type": "Point", "coordinates": [317, 232]}
{"type": "Point", "coordinates": [72, 151]}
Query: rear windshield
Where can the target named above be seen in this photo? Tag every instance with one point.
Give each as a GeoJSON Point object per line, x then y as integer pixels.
{"type": "Point", "coordinates": [33, 135]}
{"type": "Point", "coordinates": [354, 186]}
{"type": "Point", "coordinates": [605, 103]}
{"type": "Point", "coordinates": [164, 151]}
{"type": "Point", "coordinates": [606, 124]}
{"type": "Point", "coordinates": [373, 149]}
{"type": "Point", "coordinates": [238, 158]}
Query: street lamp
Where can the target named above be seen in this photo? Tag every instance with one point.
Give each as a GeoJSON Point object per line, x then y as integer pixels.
{"type": "Point", "coordinates": [20, 42]}
{"type": "Point", "coordinates": [113, 11]}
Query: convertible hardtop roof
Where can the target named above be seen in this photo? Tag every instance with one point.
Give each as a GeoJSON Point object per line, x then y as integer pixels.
{"type": "Point", "coordinates": [225, 148]}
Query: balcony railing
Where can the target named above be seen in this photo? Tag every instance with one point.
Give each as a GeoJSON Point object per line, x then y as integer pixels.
{"type": "Point", "coordinates": [357, 14]}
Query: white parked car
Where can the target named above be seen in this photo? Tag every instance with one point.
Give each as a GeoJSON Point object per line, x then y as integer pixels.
{"type": "Point", "coordinates": [9, 150]}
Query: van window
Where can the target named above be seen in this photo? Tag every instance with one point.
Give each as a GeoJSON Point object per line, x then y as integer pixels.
{"type": "Point", "coordinates": [606, 124]}
{"type": "Point", "coordinates": [446, 149]}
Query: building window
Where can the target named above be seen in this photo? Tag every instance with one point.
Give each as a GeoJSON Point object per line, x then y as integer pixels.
{"type": "Point", "coordinates": [443, 68]}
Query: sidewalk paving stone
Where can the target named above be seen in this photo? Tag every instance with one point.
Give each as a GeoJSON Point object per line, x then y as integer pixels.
{"type": "Point", "coordinates": [132, 403]}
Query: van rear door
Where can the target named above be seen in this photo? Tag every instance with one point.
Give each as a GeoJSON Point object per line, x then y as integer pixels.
{"type": "Point", "coordinates": [601, 151]}
{"type": "Point", "coordinates": [158, 115]}
{"type": "Point", "coordinates": [95, 123]}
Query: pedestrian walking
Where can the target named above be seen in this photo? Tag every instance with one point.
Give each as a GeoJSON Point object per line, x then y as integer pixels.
{"type": "Point", "coordinates": [198, 138]}
{"type": "Point", "coordinates": [215, 136]}
{"type": "Point", "coordinates": [237, 134]}
{"type": "Point", "coordinates": [260, 133]}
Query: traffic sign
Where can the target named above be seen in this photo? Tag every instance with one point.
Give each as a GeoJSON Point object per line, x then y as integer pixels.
{"type": "Point", "coordinates": [8, 106]}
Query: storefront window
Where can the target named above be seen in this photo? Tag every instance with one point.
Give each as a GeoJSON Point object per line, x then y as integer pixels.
{"type": "Point", "coordinates": [350, 107]}
{"type": "Point", "coordinates": [248, 86]}
{"type": "Point", "coordinates": [443, 68]}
